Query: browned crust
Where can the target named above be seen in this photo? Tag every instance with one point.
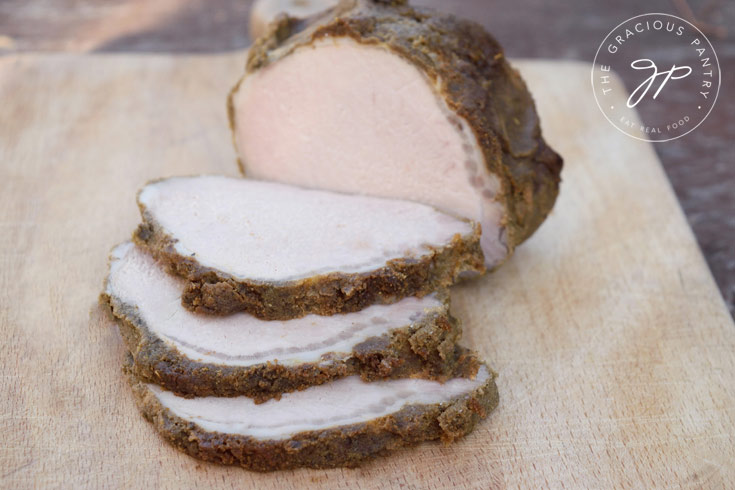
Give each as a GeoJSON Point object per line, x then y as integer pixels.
{"type": "Point", "coordinates": [339, 446]}
{"type": "Point", "coordinates": [215, 292]}
{"type": "Point", "coordinates": [470, 70]}
{"type": "Point", "coordinates": [424, 349]}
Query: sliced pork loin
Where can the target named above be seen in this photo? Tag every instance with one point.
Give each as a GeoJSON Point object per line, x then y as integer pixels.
{"type": "Point", "coordinates": [281, 252]}
{"type": "Point", "coordinates": [341, 423]}
{"type": "Point", "coordinates": [263, 12]}
{"type": "Point", "coordinates": [379, 98]}
{"type": "Point", "coordinates": [240, 355]}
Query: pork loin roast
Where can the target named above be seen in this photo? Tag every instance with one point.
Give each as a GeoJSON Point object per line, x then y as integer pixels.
{"type": "Point", "coordinates": [281, 252]}
{"type": "Point", "coordinates": [341, 423]}
{"type": "Point", "coordinates": [240, 355]}
{"type": "Point", "coordinates": [379, 98]}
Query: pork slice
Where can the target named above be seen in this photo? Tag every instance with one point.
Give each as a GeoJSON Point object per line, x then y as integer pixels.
{"type": "Point", "coordinates": [281, 252]}
{"type": "Point", "coordinates": [379, 98]}
{"type": "Point", "coordinates": [239, 354]}
{"type": "Point", "coordinates": [341, 423]}
{"type": "Point", "coordinates": [263, 12]}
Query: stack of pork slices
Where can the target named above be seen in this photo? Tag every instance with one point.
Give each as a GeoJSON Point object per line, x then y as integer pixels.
{"type": "Point", "coordinates": [274, 327]}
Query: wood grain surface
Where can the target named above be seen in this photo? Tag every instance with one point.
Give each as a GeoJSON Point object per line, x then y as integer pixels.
{"type": "Point", "coordinates": [615, 351]}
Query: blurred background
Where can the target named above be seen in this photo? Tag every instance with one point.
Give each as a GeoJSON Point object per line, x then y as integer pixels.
{"type": "Point", "coordinates": [701, 165]}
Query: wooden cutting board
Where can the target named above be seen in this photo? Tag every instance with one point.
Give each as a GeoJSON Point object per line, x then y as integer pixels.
{"type": "Point", "coordinates": [615, 351]}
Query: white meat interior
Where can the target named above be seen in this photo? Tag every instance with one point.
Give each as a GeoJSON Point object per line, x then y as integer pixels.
{"type": "Point", "coordinates": [344, 116]}
{"type": "Point", "coordinates": [269, 232]}
{"type": "Point", "coordinates": [241, 339]}
{"type": "Point", "coordinates": [342, 402]}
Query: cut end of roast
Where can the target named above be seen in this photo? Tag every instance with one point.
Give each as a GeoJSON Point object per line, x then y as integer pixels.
{"type": "Point", "coordinates": [336, 424]}
{"type": "Point", "coordinates": [357, 118]}
{"type": "Point", "coordinates": [379, 98]}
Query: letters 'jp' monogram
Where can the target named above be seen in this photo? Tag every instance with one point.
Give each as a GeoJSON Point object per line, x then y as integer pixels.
{"type": "Point", "coordinates": [675, 73]}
